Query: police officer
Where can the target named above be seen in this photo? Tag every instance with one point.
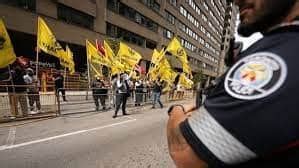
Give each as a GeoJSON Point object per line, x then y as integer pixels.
{"type": "Point", "coordinates": [251, 118]}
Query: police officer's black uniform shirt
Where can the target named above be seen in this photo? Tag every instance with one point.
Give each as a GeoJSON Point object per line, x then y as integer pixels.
{"type": "Point", "coordinates": [251, 118]}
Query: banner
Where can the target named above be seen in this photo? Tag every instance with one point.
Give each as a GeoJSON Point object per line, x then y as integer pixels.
{"type": "Point", "coordinates": [7, 54]}
{"type": "Point", "coordinates": [46, 40]}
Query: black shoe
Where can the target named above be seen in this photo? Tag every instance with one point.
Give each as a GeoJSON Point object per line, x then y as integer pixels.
{"type": "Point", "coordinates": [114, 116]}
{"type": "Point", "coordinates": [126, 114]}
{"type": "Point", "coordinates": [153, 107]}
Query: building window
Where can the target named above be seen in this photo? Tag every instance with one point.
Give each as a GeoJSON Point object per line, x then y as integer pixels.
{"type": "Point", "coordinates": [170, 18]}
{"type": "Point", "coordinates": [173, 2]}
{"type": "Point", "coordinates": [167, 34]}
{"type": "Point", "coordinates": [151, 44]}
{"type": "Point", "coordinates": [137, 17]}
{"type": "Point", "coordinates": [128, 36]}
{"type": "Point", "coordinates": [113, 5]}
{"type": "Point", "coordinates": [152, 4]}
{"type": "Point", "coordinates": [25, 4]}
{"type": "Point", "coordinates": [74, 16]}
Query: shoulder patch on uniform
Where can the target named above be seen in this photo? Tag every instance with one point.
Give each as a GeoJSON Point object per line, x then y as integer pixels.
{"type": "Point", "coordinates": [256, 76]}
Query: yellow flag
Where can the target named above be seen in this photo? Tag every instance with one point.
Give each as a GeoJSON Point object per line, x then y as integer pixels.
{"type": "Point", "coordinates": [98, 72]}
{"type": "Point", "coordinates": [157, 56]}
{"type": "Point", "coordinates": [46, 40]}
{"type": "Point", "coordinates": [116, 66]}
{"type": "Point", "coordinates": [175, 48]}
{"type": "Point", "coordinates": [128, 55]}
{"type": "Point", "coordinates": [94, 56]}
{"type": "Point", "coordinates": [168, 75]}
{"type": "Point", "coordinates": [71, 65]}
{"type": "Point", "coordinates": [185, 82]}
{"type": "Point", "coordinates": [187, 69]}
{"type": "Point", "coordinates": [7, 54]}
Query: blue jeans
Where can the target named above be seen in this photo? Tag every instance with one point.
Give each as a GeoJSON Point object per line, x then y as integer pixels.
{"type": "Point", "coordinates": [156, 98]}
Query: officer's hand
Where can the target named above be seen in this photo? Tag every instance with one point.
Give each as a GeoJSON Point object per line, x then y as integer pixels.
{"type": "Point", "coordinates": [189, 108]}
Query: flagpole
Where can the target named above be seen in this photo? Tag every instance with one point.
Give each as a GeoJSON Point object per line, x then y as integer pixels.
{"type": "Point", "coordinates": [37, 52]}
{"type": "Point", "coordinates": [88, 76]}
{"type": "Point", "coordinates": [65, 78]}
{"type": "Point", "coordinates": [97, 46]}
{"type": "Point", "coordinates": [37, 59]}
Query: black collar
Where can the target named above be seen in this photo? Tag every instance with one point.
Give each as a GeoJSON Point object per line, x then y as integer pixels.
{"type": "Point", "coordinates": [283, 29]}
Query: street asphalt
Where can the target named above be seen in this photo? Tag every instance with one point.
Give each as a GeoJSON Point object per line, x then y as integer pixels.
{"type": "Point", "coordinates": [89, 140]}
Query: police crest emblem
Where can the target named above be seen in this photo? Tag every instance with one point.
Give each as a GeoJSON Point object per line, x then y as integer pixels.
{"type": "Point", "coordinates": [256, 76]}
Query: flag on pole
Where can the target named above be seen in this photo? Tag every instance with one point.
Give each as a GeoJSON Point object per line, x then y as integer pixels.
{"type": "Point", "coordinates": [70, 57]}
{"type": "Point", "coordinates": [175, 48]}
{"type": "Point", "coordinates": [116, 66]}
{"type": "Point", "coordinates": [97, 72]}
{"type": "Point", "coordinates": [94, 56]}
{"type": "Point", "coordinates": [128, 56]}
{"type": "Point", "coordinates": [100, 47]}
{"type": "Point", "coordinates": [46, 40]}
{"type": "Point", "coordinates": [7, 54]}
{"type": "Point", "coordinates": [185, 82]}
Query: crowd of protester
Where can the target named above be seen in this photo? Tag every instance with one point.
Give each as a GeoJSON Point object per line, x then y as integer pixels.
{"type": "Point", "coordinates": [23, 88]}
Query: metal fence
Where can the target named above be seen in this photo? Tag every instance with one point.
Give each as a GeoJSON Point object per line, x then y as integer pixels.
{"type": "Point", "coordinates": [70, 101]}
{"type": "Point", "coordinates": [22, 103]}
{"type": "Point", "coordinates": [26, 104]}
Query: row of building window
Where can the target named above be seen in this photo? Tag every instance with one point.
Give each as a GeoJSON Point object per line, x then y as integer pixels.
{"type": "Point", "coordinates": [217, 10]}
{"type": "Point", "coordinates": [203, 16]}
{"type": "Point", "coordinates": [167, 33]}
{"type": "Point", "coordinates": [201, 64]}
{"type": "Point", "coordinates": [132, 14]}
{"type": "Point", "coordinates": [152, 4]}
{"type": "Point", "coordinates": [117, 32]}
{"type": "Point", "coordinates": [188, 15]}
{"type": "Point", "coordinates": [208, 57]}
{"type": "Point", "coordinates": [173, 2]}
{"type": "Point", "coordinates": [169, 17]}
{"type": "Point", "coordinates": [64, 13]}
{"type": "Point", "coordinates": [25, 4]}
{"type": "Point", "coordinates": [188, 45]}
{"type": "Point", "coordinates": [212, 15]}
{"type": "Point", "coordinates": [196, 37]}
{"type": "Point", "coordinates": [74, 16]}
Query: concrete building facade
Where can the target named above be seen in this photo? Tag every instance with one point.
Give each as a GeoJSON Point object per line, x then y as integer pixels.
{"type": "Point", "coordinates": [231, 14]}
{"type": "Point", "coordinates": [142, 24]}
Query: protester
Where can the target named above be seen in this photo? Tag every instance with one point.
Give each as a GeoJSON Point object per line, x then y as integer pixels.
{"type": "Point", "coordinates": [172, 92]}
{"type": "Point", "coordinates": [250, 118]}
{"type": "Point", "coordinates": [99, 91]}
{"type": "Point", "coordinates": [122, 93]}
{"type": "Point", "coordinates": [139, 92]}
{"type": "Point", "coordinates": [157, 91]}
{"type": "Point", "coordinates": [18, 91]}
{"type": "Point", "coordinates": [32, 90]}
{"type": "Point", "coordinates": [59, 85]}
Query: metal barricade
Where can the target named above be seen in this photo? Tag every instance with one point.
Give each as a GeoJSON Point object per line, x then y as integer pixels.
{"type": "Point", "coordinates": [26, 104]}
{"type": "Point", "coordinates": [81, 100]}
{"type": "Point", "coordinates": [23, 103]}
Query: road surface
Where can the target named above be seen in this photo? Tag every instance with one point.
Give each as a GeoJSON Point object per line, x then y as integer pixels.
{"type": "Point", "coordinates": [89, 140]}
